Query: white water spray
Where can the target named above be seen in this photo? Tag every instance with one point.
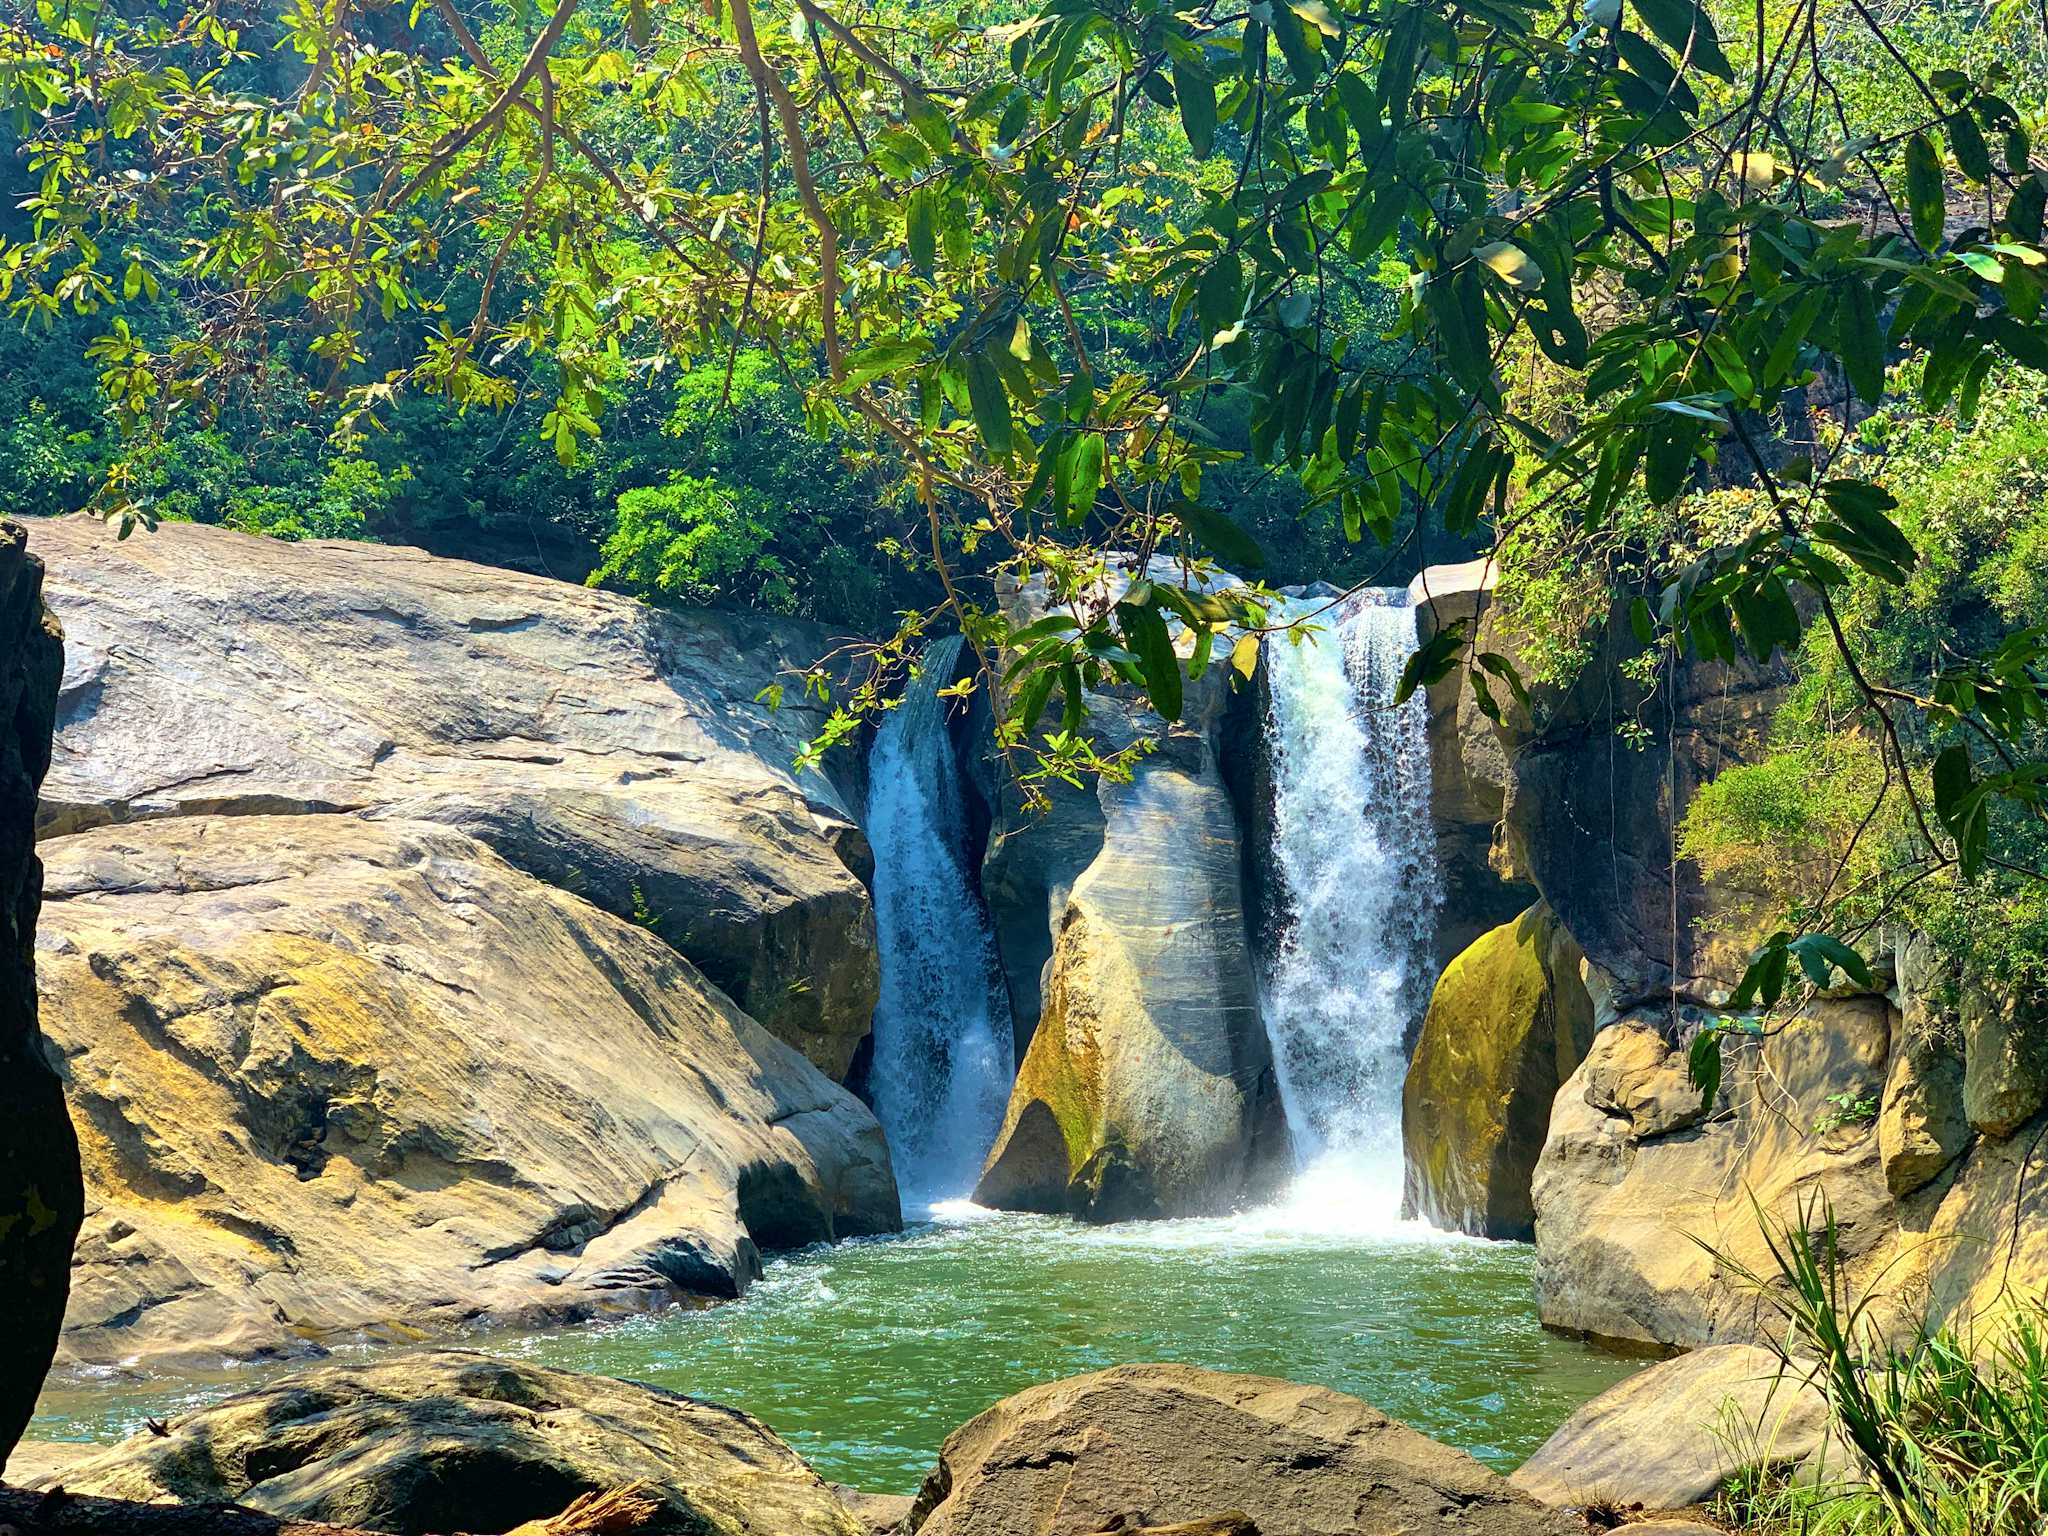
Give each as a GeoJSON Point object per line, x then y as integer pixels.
{"type": "Point", "coordinates": [1354, 864]}
{"type": "Point", "coordinates": [943, 1053]}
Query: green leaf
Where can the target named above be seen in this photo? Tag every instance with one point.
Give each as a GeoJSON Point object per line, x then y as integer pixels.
{"type": "Point", "coordinates": [1433, 660]}
{"type": "Point", "coordinates": [1861, 341]}
{"type": "Point", "coordinates": [1145, 632]}
{"type": "Point", "coordinates": [1684, 27]}
{"type": "Point", "coordinates": [1217, 533]}
{"type": "Point", "coordinates": [991, 404]}
{"type": "Point", "coordinates": [1703, 1065]}
{"type": "Point", "coordinates": [1821, 955]}
{"type": "Point", "coordinates": [1924, 193]}
{"type": "Point", "coordinates": [1972, 154]}
{"type": "Point", "coordinates": [920, 230]}
{"type": "Point", "coordinates": [1196, 93]}
{"type": "Point", "coordinates": [1960, 804]}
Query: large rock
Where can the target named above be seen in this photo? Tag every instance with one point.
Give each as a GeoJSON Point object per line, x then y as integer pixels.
{"type": "Point", "coordinates": [1671, 1435]}
{"type": "Point", "coordinates": [1509, 1021]}
{"type": "Point", "coordinates": [1644, 1200]}
{"type": "Point", "coordinates": [1155, 1445]}
{"type": "Point", "coordinates": [1982, 1254]}
{"type": "Point", "coordinates": [600, 745]}
{"type": "Point", "coordinates": [449, 1441]}
{"type": "Point", "coordinates": [1468, 769]}
{"type": "Point", "coordinates": [1594, 778]}
{"type": "Point", "coordinates": [1148, 1087]}
{"type": "Point", "coordinates": [40, 1195]}
{"type": "Point", "coordinates": [2005, 1054]}
{"type": "Point", "coordinates": [336, 1076]}
{"type": "Point", "coordinates": [1922, 1127]}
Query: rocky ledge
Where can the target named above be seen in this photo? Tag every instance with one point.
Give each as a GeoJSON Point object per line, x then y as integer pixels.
{"type": "Point", "coordinates": [426, 944]}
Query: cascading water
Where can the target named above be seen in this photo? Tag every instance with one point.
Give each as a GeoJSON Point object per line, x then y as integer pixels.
{"type": "Point", "coordinates": [1353, 859]}
{"type": "Point", "coordinates": [943, 1055]}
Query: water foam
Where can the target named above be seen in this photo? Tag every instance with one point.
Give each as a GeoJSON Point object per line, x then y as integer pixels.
{"type": "Point", "coordinates": [1353, 859]}
{"type": "Point", "coordinates": [943, 1054]}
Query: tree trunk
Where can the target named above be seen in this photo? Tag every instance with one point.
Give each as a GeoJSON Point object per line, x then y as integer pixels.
{"type": "Point", "coordinates": [42, 1199]}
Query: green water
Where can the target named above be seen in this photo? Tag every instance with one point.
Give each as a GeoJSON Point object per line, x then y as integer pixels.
{"type": "Point", "coordinates": [865, 1355]}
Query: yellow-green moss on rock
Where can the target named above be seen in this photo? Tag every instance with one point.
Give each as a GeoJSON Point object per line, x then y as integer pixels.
{"type": "Point", "coordinates": [1509, 1021]}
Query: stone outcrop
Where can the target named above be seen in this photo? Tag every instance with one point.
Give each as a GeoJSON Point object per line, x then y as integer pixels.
{"type": "Point", "coordinates": [1509, 1021]}
{"type": "Point", "coordinates": [450, 1441]}
{"type": "Point", "coordinates": [40, 1196]}
{"type": "Point", "coordinates": [1644, 1197]}
{"type": "Point", "coordinates": [1147, 1088]}
{"type": "Point", "coordinates": [338, 1077]}
{"type": "Point", "coordinates": [1468, 770]}
{"type": "Point", "coordinates": [1160, 1445]}
{"type": "Point", "coordinates": [1589, 819]}
{"type": "Point", "coordinates": [602, 746]}
{"type": "Point", "coordinates": [2005, 1055]}
{"type": "Point", "coordinates": [1671, 1435]}
{"type": "Point", "coordinates": [1922, 1126]}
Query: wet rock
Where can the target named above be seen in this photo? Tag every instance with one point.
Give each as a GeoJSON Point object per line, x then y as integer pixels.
{"type": "Point", "coordinates": [1672, 1434]}
{"type": "Point", "coordinates": [602, 746]}
{"type": "Point", "coordinates": [40, 1196]}
{"type": "Point", "coordinates": [1151, 1445]}
{"type": "Point", "coordinates": [450, 1440]}
{"type": "Point", "coordinates": [1147, 1088]}
{"type": "Point", "coordinates": [336, 1077]}
{"type": "Point", "coordinates": [1508, 1023]}
{"type": "Point", "coordinates": [1646, 1205]}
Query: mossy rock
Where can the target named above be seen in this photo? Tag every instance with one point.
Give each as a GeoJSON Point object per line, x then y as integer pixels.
{"type": "Point", "coordinates": [1509, 1021]}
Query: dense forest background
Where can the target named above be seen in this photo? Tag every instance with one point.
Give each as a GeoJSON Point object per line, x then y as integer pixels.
{"type": "Point", "coordinates": [692, 474]}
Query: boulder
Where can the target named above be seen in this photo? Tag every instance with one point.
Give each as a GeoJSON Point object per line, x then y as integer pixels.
{"type": "Point", "coordinates": [1147, 1087]}
{"type": "Point", "coordinates": [1509, 1021]}
{"type": "Point", "coordinates": [1590, 817]}
{"type": "Point", "coordinates": [449, 1440]}
{"type": "Point", "coordinates": [338, 1077]}
{"type": "Point", "coordinates": [1923, 1126]}
{"type": "Point", "coordinates": [1672, 1434]}
{"type": "Point", "coordinates": [1468, 769]}
{"type": "Point", "coordinates": [41, 1200]}
{"type": "Point", "coordinates": [1646, 1203]}
{"type": "Point", "coordinates": [2005, 1054]}
{"type": "Point", "coordinates": [600, 745]}
{"type": "Point", "coordinates": [1982, 1254]}
{"type": "Point", "coordinates": [1152, 1445]}
{"type": "Point", "coordinates": [877, 1514]}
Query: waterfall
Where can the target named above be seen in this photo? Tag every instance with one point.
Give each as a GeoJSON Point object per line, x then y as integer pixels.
{"type": "Point", "coordinates": [943, 1055]}
{"type": "Point", "coordinates": [1347, 970]}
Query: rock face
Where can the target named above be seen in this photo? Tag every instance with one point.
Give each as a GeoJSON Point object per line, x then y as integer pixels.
{"type": "Point", "coordinates": [1672, 1434]}
{"type": "Point", "coordinates": [1635, 1177]}
{"type": "Point", "coordinates": [1922, 1127]}
{"type": "Point", "coordinates": [599, 745]}
{"type": "Point", "coordinates": [1590, 819]}
{"type": "Point", "coordinates": [1147, 1088]}
{"type": "Point", "coordinates": [456, 1441]}
{"type": "Point", "coordinates": [2005, 1051]}
{"type": "Point", "coordinates": [336, 1076]}
{"type": "Point", "coordinates": [1158, 1445]}
{"type": "Point", "coordinates": [1509, 1021]}
{"type": "Point", "coordinates": [1468, 770]}
{"type": "Point", "coordinates": [40, 1196]}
